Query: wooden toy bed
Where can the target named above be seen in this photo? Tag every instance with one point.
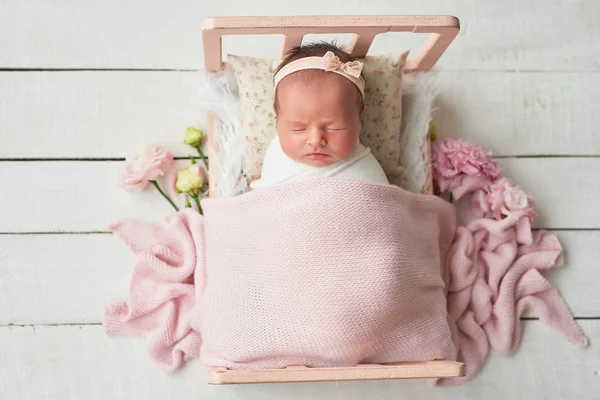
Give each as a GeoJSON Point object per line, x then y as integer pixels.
{"type": "Point", "coordinates": [443, 30]}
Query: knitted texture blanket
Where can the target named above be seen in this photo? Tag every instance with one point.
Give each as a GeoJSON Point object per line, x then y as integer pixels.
{"type": "Point", "coordinates": [332, 272]}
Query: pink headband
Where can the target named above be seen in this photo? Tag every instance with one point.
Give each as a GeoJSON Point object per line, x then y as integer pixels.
{"type": "Point", "coordinates": [329, 62]}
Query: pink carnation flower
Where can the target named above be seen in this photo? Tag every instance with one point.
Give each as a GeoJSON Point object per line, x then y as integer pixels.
{"type": "Point", "coordinates": [453, 159]}
{"type": "Point", "coordinates": [144, 166]}
{"type": "Point", "coordinates": [502, 198]}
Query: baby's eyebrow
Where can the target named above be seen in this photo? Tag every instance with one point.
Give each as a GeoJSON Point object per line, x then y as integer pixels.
{"type": "Point", "coordinates": [336, 120]}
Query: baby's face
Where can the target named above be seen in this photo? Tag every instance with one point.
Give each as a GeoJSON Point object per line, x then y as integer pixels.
{"type": "Point", "coordinates": [318, 120]}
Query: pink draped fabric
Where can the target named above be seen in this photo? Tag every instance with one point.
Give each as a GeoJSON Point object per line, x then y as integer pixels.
{"type": "Point", "coordinates": [495, 275]}
{"type": "Point", "coordinates": [161, 295]}
{"type": "Point", "coordinates": [492, 271]}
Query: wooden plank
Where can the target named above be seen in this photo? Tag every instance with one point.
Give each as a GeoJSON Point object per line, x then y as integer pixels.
{"type": "Point", "coordinates": [566, 189]}
{"type": "Point", "coordinates": [94, 114]}
{"type": "Point", "coordinates": [575, 280]}
{"type": "Point", "coordinates": [521, 113]}
{"type": "Point", "coordinates": [58, 34]}
{"type": "Point", "coordinates": [75, 362]}
{"type": "Point", "coordinates": [74, 196]}
{"type": "Point", "coordinates": [111, 114]}
{"type": "Point", "coordinates": [83, 196]}
{"type": "Point", "coordinates": [539, 370]}
{"type": "Point", "coordinates": [61, 279]}
{"type": "Point", "coordinates": [41, 275]}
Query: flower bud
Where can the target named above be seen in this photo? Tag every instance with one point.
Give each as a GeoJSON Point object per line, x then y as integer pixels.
{"type": "Point", "coordinates": [193, 137]}
{"type": "Point", "coordinates": [190, 180]}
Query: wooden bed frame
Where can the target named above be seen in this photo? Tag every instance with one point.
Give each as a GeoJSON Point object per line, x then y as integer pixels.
{"type": "Point", "coordinates": [443, 29]}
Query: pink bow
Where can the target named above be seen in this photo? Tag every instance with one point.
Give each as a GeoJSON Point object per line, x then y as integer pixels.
{"type": "Point", "coordinates": [332, 62]}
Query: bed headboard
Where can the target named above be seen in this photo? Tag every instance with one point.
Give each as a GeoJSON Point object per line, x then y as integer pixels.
{"type": "Point", "coordinates": [442, 29]}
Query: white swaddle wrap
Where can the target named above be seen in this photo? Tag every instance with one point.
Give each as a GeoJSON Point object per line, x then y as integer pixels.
{"type": "Point", "coordinates": [361, 165]}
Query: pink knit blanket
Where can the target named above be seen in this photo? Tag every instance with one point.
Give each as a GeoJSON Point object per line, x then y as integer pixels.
{"type": "Point", "coordinates": [329, 272]}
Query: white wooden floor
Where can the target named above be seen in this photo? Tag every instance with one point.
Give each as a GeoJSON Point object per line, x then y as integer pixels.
{"type": "Point", "coordinates": [83, 83]}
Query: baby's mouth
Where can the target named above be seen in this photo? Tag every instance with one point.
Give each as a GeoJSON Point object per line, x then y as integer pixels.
{"type": "Point", "coordinates": [317, 156]}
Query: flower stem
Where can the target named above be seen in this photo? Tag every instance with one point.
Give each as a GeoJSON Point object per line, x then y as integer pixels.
{"type": "Point", "coordinates": [164, 195]}
{"type": "Point", "coordinates": [198, 204]}
{"type": "Point", "coordinates": [202, 156]}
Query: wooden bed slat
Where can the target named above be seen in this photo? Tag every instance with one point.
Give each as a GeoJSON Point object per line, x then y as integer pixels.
{"type": "Point", "coordinates": [291, 40]}
{"type": "Point", "coordinates": [431, 51]}
{"type": "Point", "coordinates": [360, 44]}
{"type": "Point", "coordinates": [409, 370]}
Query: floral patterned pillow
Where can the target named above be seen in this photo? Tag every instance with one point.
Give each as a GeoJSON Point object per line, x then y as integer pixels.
{"type": "Point", "coordinates": [381, 121]}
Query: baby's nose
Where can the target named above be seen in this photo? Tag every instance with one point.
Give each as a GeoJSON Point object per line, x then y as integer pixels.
{"type": "Point", "coordinates": [316, 137]}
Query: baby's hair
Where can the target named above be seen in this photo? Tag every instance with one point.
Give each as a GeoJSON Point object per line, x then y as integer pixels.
{"type": "Point", "coordinates": [317, 49]}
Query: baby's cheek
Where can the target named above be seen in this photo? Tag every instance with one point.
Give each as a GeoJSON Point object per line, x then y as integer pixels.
{"type": "Point", "coordinates": [345, 145]}
{"type": "Point", "coordinates": [291, 145]}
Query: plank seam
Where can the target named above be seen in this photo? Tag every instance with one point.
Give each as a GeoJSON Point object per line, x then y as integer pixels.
{"type": "Point", "coordinates": [78, 159]}
{"type": "Point", "coordinates": [111, 159]}
{"type": "Point", "coordinates": [96, 70]}
{"type": "Point", "coordinates": [547, 156]}
{"type": "Point", "coordinates": [480, 70]}
{"type": "Point", "coordinates": [10, 325]}
{"type": "Point", "coordinates": [33, 233]}
{"type": "Point", "coordinates": [51, 325]}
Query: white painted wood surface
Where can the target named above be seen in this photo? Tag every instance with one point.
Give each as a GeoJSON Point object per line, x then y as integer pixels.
{"type": "Point", "coordinates": [76, 196]}
{"type": "Point", "coordinates": [506, 35]}
{"type": "Point", "coordinates": [521, 79]}
{"type": "Point", "coordinates": [39, 287]}
{"type": "Point", "coordinates": [79, 114]}
{"type": "Point", "coordinates": [81, 362]}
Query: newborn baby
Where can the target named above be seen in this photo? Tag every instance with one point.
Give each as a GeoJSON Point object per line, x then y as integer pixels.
{"type": "Point", "coordinates": [319, 103]}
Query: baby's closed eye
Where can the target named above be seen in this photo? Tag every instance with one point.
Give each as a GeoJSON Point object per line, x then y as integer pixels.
{"type": "Point", "coordinates": [296, 127]}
